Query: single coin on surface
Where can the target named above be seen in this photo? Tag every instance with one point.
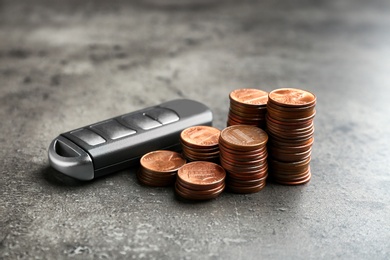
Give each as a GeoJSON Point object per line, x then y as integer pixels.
{"type": "Point", "coordinates": [159, 168]}
{"type": "Point", "coordinates": [291, 97]}
{"type": "Point", "coordinates": [162, 161]}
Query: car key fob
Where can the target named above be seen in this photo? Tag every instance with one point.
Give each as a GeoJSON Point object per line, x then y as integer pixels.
{"type": "Point", "coordinates": [117, 143]}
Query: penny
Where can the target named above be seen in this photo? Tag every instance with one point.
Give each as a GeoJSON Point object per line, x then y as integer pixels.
{"type": "Point", "coordinates": [244, 137]}
{"type": "Point", "coordinates": [247, 107]}
{"type": "Point", "coordinates": [190, 195]}
{"type": "Point", "coordinates": [249, 96]}
{"type": "Point", "coordinates": [200, 180]}
{"type": "Point", "coordinates": [291, 97]}
{"type": "Point", "coordinates": [200, 143]}
{"type": "Point", "coordinates": [246, 190]}
{"type": "Point", "coordinates": [201, 173]}
{"type": "Point", "coordinates": [159, 168]}
{"type": "Point", "coordinates": [200, 136]}
{"type": "Point", "coordinates": [162, 161]}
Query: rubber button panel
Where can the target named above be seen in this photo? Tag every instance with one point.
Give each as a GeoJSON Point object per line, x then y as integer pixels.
{"type": "Point", "coordinates": [141, 120]}
{"type": "Point", "coordinates": [88, 136]}
{"type": "Point", "coordinates": [113, 130]}
{"type": "Point", "coordinates": [163, 115]}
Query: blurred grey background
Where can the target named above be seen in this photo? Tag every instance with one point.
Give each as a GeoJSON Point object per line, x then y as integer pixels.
{"type": "Point", "coordinates": [66, 64]}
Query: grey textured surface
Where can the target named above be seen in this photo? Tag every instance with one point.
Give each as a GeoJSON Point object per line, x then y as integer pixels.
{"type": "Point", "coordinates": [65, 64]}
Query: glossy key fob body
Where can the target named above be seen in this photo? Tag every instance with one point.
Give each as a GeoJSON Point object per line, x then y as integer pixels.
{"type": "Point", "coordinates": [118, 143]}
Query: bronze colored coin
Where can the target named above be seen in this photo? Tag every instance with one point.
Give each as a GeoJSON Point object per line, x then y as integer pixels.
{"type": "Point", "coordinates": [153, 182]}
{"type": "Point", "coordinates": [243, 137]}
{"type": "Point", "coordinates": [199, 187]}
{"type": "Point", "coordinates": [303, 180]}
{"type": "Point", "coordinates": [289, 166]}
{"type": "Point", "coordinates": [200, 136]}
{"type": "Point", "coordinates": [287, 176]}
{"type": "Point", "coordinates": [290, 114]}
{"type": "Point", "coordinates": [206, 149]}
{"type": "Point", "coordinates": [249, 96]}
{"type": "Point", "coordinates": [289, 157]}
{"type": "Point", "coordinates": [162, 161]}
{"type": "Point", "coordinates": [243, 162]}
{"type": "Point", "coordinates": [185, 189]}
{"type": "Point", "coordinates": [288, 129]}
{"type": "Point", "coordinates": [290, 97]}
{"type": "Point", "coordinates": [298, 147]}
{"type": "Point", "coordinates": [246, 190]}
{"type": "Point", "coordinates": [245, 113]}
{"type": "Point", "coordinates": [292, 142]}
{"type": "Point", "coordinates": [288, 125]}
{"type": "Point", "coordinates": [247, 180]}
{"type": "Point", "coordinates": [244, 184]}
{"type": "Point", "coordinates": [200, 153]}
{"type": "Point", "coordinates": [201, 173]}
{"type": "Point", "coordinates": [158, 175]}
{"type": "Point", "coordinates": [290, 109]}
{"type": "Point", "coordinates": [194, 195]}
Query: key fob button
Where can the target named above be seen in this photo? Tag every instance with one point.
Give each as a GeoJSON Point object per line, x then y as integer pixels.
{"type": "Point", "coordinates": [141, 120]}
{"type": "Point", "coordinates": [163, 115]}
{"type": "Point", "coordinates": [112, 129]}
{"type": "Point", "coordinates": [88, 136]}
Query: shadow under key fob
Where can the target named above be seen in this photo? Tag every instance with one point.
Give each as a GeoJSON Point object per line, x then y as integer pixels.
{"type": "Point", "coordinates": [117, 143]}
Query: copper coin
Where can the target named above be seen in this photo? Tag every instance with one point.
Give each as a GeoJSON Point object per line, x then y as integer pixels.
{"type": "Point", "coordinates": [290, 97]}
{"type": "Point", "coordinates": [253, 177]}
{"type": "Point", "coordinates": [162, 161]}
{"type": "Point", "coordinates": [290, 108]}
{"type": "Point", "coordinates": [296, 147]}
{"type": "Point", "coordinates": [303, 180]}
{"type": "Point", "coordinates": [292, 115]}
{"type": "Point", "coordinates": [246, 190]}
{"type": "Point", "coordinates": [288, 125]}
{"type": "Point", "coordinates": [201, 173]}
{"type": "Point", "coordinates": [200, 136]}
{"type": "Point", "coordinates": [153, 182]}
{"type": "Point", "coordinates": [185, 189]}
{"type": "Point", "coordinates": [249, 96]}
{"type": "Point", "coordinates": [195, 196]}
{"type": "Point", "coordinates": [243, 137]}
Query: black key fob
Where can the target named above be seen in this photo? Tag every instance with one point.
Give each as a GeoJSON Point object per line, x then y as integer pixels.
{"type": "Point", "coordinates": [118, 143]}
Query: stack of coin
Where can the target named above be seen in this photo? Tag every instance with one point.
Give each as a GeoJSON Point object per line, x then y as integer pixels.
{"type": "Point", "coordinates": [200, 143]}
{"type": "Point", "coordinates": [243, 155]}
{"type": "Point", "coordinates": [247, 107]}
{"type": "Point", "coordinates": [159, 168]}
{"type": "Point", "coordinates": [291, 133]}
{"type": "Point", "coordinates": [200, 180]}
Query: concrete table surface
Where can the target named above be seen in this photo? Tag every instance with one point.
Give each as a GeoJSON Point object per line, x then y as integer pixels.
{"type": "Point", "coordinates": [66, 64]}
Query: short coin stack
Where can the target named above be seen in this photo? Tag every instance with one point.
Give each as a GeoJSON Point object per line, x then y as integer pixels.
{"type": "Point", "coordinates": [243, 154]}
{"type": "Point", "coordinates": [200, 180]}
{"type": "Point", "coordinates": [291, 130]}
{"type": "Point", "coordinates": [159, 168]}
{"type": "Point", "coordinates": [200, 143]}
{"type": "Point", "coordinates": [247, 107]}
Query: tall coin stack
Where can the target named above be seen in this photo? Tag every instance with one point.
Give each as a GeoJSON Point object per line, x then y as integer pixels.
{"type": "Point", "coordinates": [200, 143]}
{"type": "Point", "coordinates": [200, 181]}
{"type": "Point", "coordinates": [247, 107]}
{"type": "Point", "coordinates": [159, 168]}
{"type": "Point", "coordinates": [291, 134]}
{"type": "Point", "coordinates": [243, 154]}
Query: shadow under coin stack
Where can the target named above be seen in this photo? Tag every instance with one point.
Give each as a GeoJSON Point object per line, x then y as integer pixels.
{"type": "Point", "coordinates": [247, 107]}
{"type": "Point", "coordinates": [243, 155]}
{"type": "Point", "coordinates": [200, 180]}
{"type": "Point", "coordinates": [291, 135]}
{"type": "Point", "coordinates": [200, 143]}
{"type": "Point", "coordinates": [159, 168]}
